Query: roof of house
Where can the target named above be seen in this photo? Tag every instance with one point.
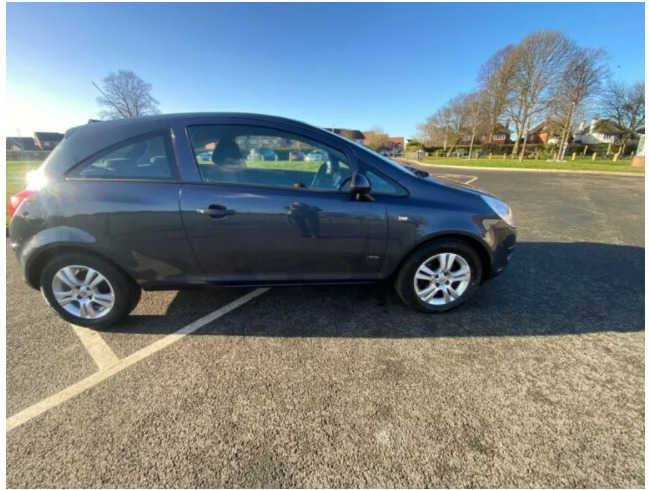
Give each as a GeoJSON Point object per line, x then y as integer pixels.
{"type": "Point", "coordinates": [355, 133]}
{"type": "Point", "coordinates": [23, 142]}
{"type": "Point", "coordinates": [500, 128]}
{"type": "Point", "coordinates": [543, 127]}
{"type": "Point", "coordinates": [603, 126]}
{"type": "Point", "coordinates": [54, 137]}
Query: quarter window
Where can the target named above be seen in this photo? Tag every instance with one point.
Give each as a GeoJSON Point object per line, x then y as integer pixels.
{"type": "Point", "coordinates": [256, 156]}
{"type": "Point", "coordinates": [148, 158]}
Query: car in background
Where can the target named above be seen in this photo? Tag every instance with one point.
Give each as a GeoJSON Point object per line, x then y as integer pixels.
{"type": "Point", "coordinates": [206, 156]}
{"type": "Point", "coordinates": [317, 156]}
{"type": "Point", "coordinates": [261, 155]}
{"type": "Point", "coordinates": [296, 156]}
{"type": "Point", "coordinates": [125, 205]}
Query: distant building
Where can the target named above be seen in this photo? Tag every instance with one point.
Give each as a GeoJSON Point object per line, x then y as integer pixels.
{"type": "Point", "coordinates": [544, 132]}
{"type": "Point", "coordinates": [19, 143]}
{"type": "Point", "coordinates": [599, 131]}
{"type": "Point", "coordinates": [351, 134]}
{"type": "Point", "coordinates": [501, 136]}
{"type": "Point", "coordinates": [397, 143]}
{"type": "Point", "coordinates": [47, 141]}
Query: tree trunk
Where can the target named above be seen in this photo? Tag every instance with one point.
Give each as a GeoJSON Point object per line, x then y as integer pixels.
{"type": "Point", "coordinates": [523, 146]}
{"type": "Point", "coordinates": [515, 148]}
{"type": "Point", "coordinates": [471, 145]}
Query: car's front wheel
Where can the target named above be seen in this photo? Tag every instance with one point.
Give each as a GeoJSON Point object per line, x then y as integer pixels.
{"type": "Point", "coordinates": [439, 276]}
{"type": "Point", "coordinates": [88, 291]}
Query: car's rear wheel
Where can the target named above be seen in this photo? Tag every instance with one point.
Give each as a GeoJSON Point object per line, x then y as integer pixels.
{"type": "Point", "coordinates": [439, 275]}
{"type": "Point", "coordinates": [87, 290]}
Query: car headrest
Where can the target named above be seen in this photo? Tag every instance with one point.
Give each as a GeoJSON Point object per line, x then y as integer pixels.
{"type": "Point", "coordinates": [227, 154]}
{"type": "Point", "coordinates": [124, 165]}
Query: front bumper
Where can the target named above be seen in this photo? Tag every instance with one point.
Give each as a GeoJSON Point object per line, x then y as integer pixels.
{"type": "Point", "coordinates": [504, 241]}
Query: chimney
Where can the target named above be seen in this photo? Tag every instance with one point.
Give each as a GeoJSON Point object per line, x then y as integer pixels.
{"type": "Point", "coordinates": [583, 123]}
{"type": "Point", "coordinates": [594, 121]}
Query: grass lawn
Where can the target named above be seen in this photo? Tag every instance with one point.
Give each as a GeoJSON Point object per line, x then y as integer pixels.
{"type": "Point", "coordinates": [281, 164]}
{"type": "Point", "coordinates": [578, 164]}
{"type": "Point", "coordinates": [16, 172]}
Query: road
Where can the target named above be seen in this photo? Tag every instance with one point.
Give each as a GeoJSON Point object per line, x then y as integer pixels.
{"type": "Point", "coordinates": [537, 382]}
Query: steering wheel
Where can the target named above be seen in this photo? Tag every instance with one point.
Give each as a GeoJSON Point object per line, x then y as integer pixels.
{"type": "Point", "coordinates": [319, 175]}
{"type": "Point", "coordinates": [343, 182]}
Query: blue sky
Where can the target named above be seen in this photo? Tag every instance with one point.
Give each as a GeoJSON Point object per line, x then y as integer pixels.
{"type": "Point", "coordinates": [344, 65]}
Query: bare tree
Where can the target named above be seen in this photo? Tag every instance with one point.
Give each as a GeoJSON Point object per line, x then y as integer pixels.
{"type": "Point", "coordinates": [435, 131]}
{"type": "Point", "coordinates": [456, 115]}
{"type": "Point", "coordinates": [376, 139]}
{"type": "Point", "coordinates": [495, 83]}
{"type": "Point", "coordinates": [124, 94]}
{"type": "Point", "coordinates": [625, 104]}
{"type": "Point", "coordinates": [476, 117]}
{"type": "Point", "coordinates": [451, 124]}
{"type": "Point", "coordinates": [428, 132]}
{"type": "Point", "coordinates": [581, 83]}
{"type": "Point", "coordinates": [539, 64]}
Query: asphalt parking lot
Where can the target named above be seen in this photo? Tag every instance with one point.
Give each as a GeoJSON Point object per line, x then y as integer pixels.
{"type": "Point", "coordinates": [537, 382]}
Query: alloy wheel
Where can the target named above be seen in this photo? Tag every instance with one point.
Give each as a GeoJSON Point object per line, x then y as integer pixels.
{"type": "Point", "coordinates": [83, 292]}
{"type": "Point", "coordinates": [442, 278]}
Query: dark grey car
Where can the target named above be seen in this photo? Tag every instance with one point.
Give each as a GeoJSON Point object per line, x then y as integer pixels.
{"type": "Point", "coordinates": [126, 205]}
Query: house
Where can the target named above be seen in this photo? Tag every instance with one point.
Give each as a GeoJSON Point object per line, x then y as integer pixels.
{"type": "Point", "coordinates": [545, 132]}
{"type": "Point", "coordinates": [599, 131]}
{"type": "Point", "coordinates": [351, 134]}
{"type": "Point", "coordinates": [397, 143]}
{"type": "Point", "coordinates": [47, 141]}
{"type": "Point", "coordinates": [501, 136]}
{"type": "Point", "coordinates": [18, 143]}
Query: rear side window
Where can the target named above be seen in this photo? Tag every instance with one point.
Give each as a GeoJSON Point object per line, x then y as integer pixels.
{"type": "Point", "coordinates": [145, 158]}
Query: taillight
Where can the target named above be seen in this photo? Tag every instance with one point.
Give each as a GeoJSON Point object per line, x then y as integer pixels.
{"type": "Point", "coordinates": [17, 199]}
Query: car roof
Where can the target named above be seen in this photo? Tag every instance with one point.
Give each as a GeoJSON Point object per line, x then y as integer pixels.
{"type": "Point", "coordinates": [163, 120]}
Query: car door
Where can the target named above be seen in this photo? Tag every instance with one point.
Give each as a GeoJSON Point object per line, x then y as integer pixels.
{"type": "Point", "coordinates": [287, 219]}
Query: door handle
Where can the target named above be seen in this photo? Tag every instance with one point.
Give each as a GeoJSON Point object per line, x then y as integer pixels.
{"type": "Point", "coordinates": [216, 211]}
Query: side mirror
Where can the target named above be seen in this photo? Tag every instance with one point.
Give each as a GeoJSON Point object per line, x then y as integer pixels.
{"type": "Point", "coordinates": [360, 186]}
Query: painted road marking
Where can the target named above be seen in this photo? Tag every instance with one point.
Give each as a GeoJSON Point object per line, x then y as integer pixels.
{"type": "Point", "coordinates": [96, 346]}
{"type": "Point", "coordinates": [463, 179]}
{"type": "Point", "coordinates": [94, 379]}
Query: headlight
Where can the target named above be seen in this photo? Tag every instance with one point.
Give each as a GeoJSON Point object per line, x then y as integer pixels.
{"type": "Point", "coordinates": [501, 208]}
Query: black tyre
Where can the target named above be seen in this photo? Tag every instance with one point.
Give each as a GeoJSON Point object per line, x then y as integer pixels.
{"type": "Point", "coordinates": [87, 290]}
{"type": "Point", "coordinates": [439, 275]}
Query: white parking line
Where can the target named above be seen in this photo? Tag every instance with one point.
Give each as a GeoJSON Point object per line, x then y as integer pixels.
{"type": "Point", "coordinates": [94, 379]}
{"type": "Point", "coordinates": [96, 347]}
{"type": "Point", "coordinates": [463, 179]}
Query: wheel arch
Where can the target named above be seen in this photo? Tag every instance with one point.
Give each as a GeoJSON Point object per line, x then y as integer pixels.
{"type": "Point", "coordinates": [40, 259]}
{"type": "Point", "coordinates": [477, 245]}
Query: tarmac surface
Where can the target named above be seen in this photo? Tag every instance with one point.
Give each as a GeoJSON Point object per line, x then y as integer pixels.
{"type": "Point", "coordinates": [538, 381]}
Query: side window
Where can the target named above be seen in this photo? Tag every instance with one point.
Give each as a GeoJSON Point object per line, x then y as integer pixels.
{"type": "Point", "coordinates": [250, 155]}
{"type": "Point", "coordinates": [381, 185]}
{"type": "Point", "coordinates": [148, 158]}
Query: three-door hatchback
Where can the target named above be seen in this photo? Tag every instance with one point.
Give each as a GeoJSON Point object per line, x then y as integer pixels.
{"type": "Point", "coordinates": [171, 201]}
